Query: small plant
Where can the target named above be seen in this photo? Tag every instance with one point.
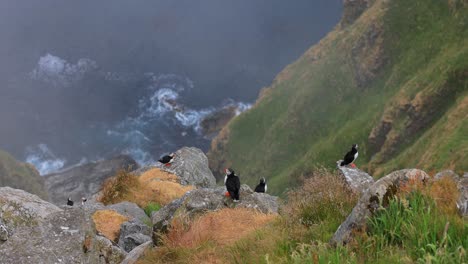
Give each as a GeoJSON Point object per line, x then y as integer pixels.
{"type": "Point", "coordinates": [152, 207]}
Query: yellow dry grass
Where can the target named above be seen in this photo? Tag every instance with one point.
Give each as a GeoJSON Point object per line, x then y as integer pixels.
{"type": "Point", "coordinates": [154, 185]}
{"type": "Point", "coordinates": [108, 223]}
{"type": "Point", "coordinates": [222, 227]}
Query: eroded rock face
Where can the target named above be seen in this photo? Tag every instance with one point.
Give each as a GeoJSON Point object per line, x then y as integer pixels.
{"type": "Point", "coordinates": [352, 9]}
{"type": "Point", "coordinates": [85, 180]}
{"type": "Point", "coordinates": [356, 179]}
{"type": "Point", "coordinates": [377, 195]}
{"type": "Point", "coordinates": [191, 166]}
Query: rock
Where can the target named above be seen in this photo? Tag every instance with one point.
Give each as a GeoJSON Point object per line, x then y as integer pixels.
{"type": "Point", "coordinates": [352, 9]}
{"type": "Point", "coordinates": [191, 165]}
{"type": "Point", "coordinates": [18, 207]}
{"type": "Point", "coordinates": [108, 253]}
{"type": "Point", "coordinates": [133, 234]}
{"type": "Point", "coordinates": [356, 179]}
{"type": "Point", "coordinates": [137, 252]}
{"type": "Point", "coordinates": [377, 195]}
{"type": "Point", "coordinates": [447, 173]}
{"type": "Point", "coordinates": [43, 233]}
{"type": "Point", "coordinates": [462, 203]}
{"type": "Point", "coordinates": [85, 180]}
{"type": "Point", "coordinates": [162, 218]}
{"type": "Point", "coordinates": [3, 232]}
{"type": "Point", "coordinates": [130, 210]}
{"type": "Point", "coordinates": [214, 122]}
{"type": "Point", "coordinates": [204, 200]}
{"type": "Point", "coordinates": [134, 240]}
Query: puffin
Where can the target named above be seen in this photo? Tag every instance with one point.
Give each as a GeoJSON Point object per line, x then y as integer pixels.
{"type": "Point", "coordinates": [262, 186]}
{"type": "Point", "coordinates": [167, 159]}
{"type": "Point", "coordinates": [351, 156]}
{"type": "Point", "coordinates": [69, 202]}
{"type": "Point", "coordinates": [232, 183]}
{"type": "Point", "coordinates": [83, 200]}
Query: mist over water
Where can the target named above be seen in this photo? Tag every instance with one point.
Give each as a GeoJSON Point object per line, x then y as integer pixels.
{"type": "Point", "coordinates": [86, 80]}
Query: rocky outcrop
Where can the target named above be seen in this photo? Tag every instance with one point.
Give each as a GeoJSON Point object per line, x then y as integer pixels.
{"type": "Point", "coordinates": [213, 123]}
{"type": "Point", "coordinates": [376, 196]}
{"type": "Point", "coordinates": [358, 180]}
{"type": "Point", "coordinates": [204, 200]}
{"type": "Point", "coordinates": [20, 175]}
{"type": "Point", "coordinates": [191, 166]}
{"type": "Point", "coordinates": [40, 232]}
{"type": "Point", "coordinates": [19, 208]}
{"type": "Point", "coordinates": [85, 180]}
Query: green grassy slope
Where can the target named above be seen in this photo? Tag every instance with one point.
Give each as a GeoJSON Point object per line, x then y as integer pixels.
{"type": "Point", "coordinates": [20, 175]}
{"type": "Point", "coordinates": [394, 81]}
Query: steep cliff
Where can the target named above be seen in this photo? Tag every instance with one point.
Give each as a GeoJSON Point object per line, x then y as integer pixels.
{"type": "Point", "coordinates": [392, 77]}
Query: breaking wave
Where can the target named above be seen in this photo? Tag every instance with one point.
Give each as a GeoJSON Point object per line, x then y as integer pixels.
{"type": "Point", "coordinates": [44, 159]}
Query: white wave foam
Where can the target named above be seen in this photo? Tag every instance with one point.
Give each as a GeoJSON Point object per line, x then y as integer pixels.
{"type": "Point", "coordinates": [57, 71]}
{"type": "Point", "coordinates": [44, 159]}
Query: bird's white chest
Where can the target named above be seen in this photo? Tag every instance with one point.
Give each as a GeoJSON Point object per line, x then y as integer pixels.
{"type": "Point", "coordinates": [225, 179]}
{"type": "Point", "coordinates": [266, 187]}
{"type": "Point", "coordinates": [356, 155]}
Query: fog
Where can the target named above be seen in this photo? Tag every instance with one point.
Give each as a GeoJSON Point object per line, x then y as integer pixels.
{"type": "Point", "coordinates": [83, 80]}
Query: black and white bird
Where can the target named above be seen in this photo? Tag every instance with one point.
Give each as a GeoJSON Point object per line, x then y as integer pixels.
{"type": "Point", "coordinates": [351, 156]}
{"type": "Point", "coordinates": [167, 159]}
{"type": "Point", "coordinates": [83, 200]}
{"type": "Point", "coordinates": [232, 183]}
{"type": "Point", "coordinates": [262, 186]}
{"type": "Point", "coordinates": [69, 202]}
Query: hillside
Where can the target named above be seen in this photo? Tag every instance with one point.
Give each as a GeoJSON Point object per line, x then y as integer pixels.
{"type": "Point", "coordinates": [20, 175]}
{"type": "Point", "coordinates": [392, 77]}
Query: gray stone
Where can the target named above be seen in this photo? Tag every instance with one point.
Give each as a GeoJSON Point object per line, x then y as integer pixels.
{"type": "Point", "coordinates": [191, 166]}
{"type": "Point", "coordinates": [355, 178]}
{"type": "Point", "coordinates": [162, 218]}
{"type": "Point", "coordinates": [447, 173]}
{"type": "Point", "coordinates": [42, 233]}
{"type": "Point", "coordinates": [134, 240]}
{"type": "Point", "coordinates": [129, 235]}
{"type": "Point", "coordinates": [462, 203]}
{"type": "Point", "coordinates": [376, 196]}
{"type": "Point", "coordinates": [130, 210]}
{"type": "Point", "coordinates": [85, 180]}
{"type": "Point", "coordinates": [18, 207]}
{"type": "Point", "coordinates": [3, 232]}
{"type": "Point", "coordinates": [137, 253]}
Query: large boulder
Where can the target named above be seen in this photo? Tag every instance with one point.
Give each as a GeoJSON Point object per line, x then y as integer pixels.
{"type": "Point", "coordinates": [43, 233]}
{"type": "Point", "coordinates": [204, 200]}
{"type": "Point", "coordinates": [191, 166]}
{"type": "Point", "coordinates": [355, 178]}
{"type": "Point", "coordinates": [376, 196]}
{"type": "Point", "coordinates": [18, 208]}
{"type": "Point", "coordinates": [130, 210]}
{"type": "Point", "coordinates": [85, 180]}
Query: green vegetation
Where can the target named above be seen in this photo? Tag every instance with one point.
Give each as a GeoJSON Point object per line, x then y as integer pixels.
{"type": "Point", "coordinates": [395, 81]}
{"type": "Point", "coordinates": [419, 225]}
{"type": "Point", "coordinates": [152, 207]}
{"type": "Point", "coordinates": [20, 175]}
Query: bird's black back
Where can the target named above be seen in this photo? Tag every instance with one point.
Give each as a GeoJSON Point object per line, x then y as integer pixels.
{"type": "Point", "coordinates": [70, 202]}
{"type": "Point", "coordinates": [349, 157]}
{"type": "Point", "coordinates": [233, 186]}
{"type": "Point", "coordinates": [260, 188]}
{"type": "Point", "coordinates": [165, 159]}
